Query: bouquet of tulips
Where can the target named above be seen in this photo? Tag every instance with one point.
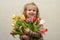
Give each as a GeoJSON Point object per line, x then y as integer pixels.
{"type": "Point", "coordinates": [20, 23]}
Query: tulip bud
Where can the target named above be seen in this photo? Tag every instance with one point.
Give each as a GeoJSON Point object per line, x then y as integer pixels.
{"type": "Point", "coordinates": [46, 30]}
{"type": "Point", "coordinates": [14, 17]}
{"type": "Point", "coordinates": [13, 25]}
{"type": "Point", "coordinates": [23, 17]}
{"type": "Point", "coordinates": [26, 19]}
{"type": "Point", "coordinates": [34, 18]}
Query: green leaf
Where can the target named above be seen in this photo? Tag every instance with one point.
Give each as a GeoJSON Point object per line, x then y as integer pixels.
{"type": "Point", "coordinates": [35, 27]}
{"type": "Point", "coordinates": [20, 29]}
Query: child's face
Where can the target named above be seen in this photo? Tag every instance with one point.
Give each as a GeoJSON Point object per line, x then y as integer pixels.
{"type": "Point", "coordinates": [31, 10]}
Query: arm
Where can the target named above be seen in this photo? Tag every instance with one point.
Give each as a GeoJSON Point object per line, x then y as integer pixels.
{"type": "Point", "coordinates": [31, 33]}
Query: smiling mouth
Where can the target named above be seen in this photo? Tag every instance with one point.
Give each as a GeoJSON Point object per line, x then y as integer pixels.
{"type": "Point", "coordinates": [31, 15]}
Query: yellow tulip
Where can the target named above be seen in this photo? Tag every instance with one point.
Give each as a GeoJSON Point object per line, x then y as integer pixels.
{"type": "Point", "coordinates": [13, 25]}
{"type": "Point", "coordinates": [23, 17]}
{"type": "Point", "coordinates": [14, 17]}
{"type": "Point", "coordinates": [17, 18]}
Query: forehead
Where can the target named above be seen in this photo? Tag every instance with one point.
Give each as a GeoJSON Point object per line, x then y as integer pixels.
{"type": "Point", "coordinates": [31, 7]}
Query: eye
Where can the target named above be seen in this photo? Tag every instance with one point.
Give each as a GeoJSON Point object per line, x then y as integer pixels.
{"type": "Point", "coordinates": [34, 10]}
{"type": "Point", "coordinates": [29, 10]}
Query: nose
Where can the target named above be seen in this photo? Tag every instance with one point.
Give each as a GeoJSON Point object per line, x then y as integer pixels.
{"type": "Point", "coordinates": [31, 11]}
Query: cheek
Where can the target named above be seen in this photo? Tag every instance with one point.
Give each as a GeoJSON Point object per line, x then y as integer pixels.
{"type": "Point", "coordinates": [34, 13]}
{"type": "Point", "coordinates": [27, 12]}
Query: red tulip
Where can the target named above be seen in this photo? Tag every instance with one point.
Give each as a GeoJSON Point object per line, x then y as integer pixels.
{"type": "Point", "coordinates": [35, 18]}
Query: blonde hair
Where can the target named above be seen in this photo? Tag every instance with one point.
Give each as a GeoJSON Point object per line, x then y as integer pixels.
{"type": "Point", "coordinates": [25, 8]}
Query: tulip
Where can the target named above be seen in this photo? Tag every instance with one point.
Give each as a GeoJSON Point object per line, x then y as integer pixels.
{"type": "Point", "coordinates": [46, 30]}
{"type": "Point", "coordinates": [27, 19]}
{"type": "Point", "coordinates": [43, 30]}
{"type": "Point", "coordinates": [13, 25]}
{"type": "Point", "coordinates": [14, 17]}
{"type": "Point", "coordinates": [31, 19]}
{"type": "Point", "coordinates": [34, 18]}
{"type": "Point", "coordinates": [18, 17]}
{"type": "Point", "coordinates": [23, 17]}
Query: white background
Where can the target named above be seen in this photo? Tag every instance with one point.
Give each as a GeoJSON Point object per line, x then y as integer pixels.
{"type": "Point", "coordinates": [49, 11]}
